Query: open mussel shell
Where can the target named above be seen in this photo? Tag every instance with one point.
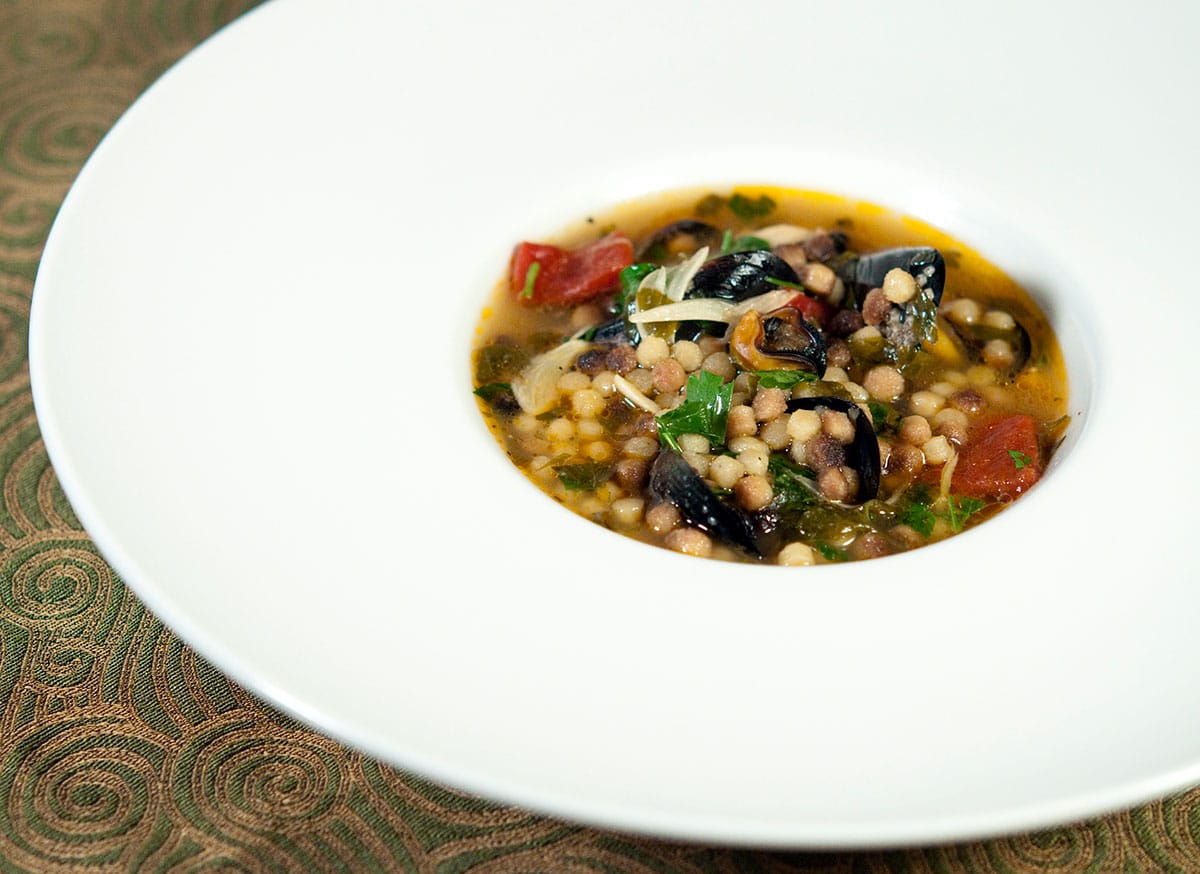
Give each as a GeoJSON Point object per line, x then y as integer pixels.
{"type": "Point", "coordinates": [690, 234]}
{"type": "Point", "coordinates": [735, 277]}
{"type": "Point", "coordinates": [863, 452]}
{"type": "Point", "coordinates": [674, 481]}
{"type": "Point", "coordinates": [923, 263]}
{"type": "Point", "coordinates": [779, 340]}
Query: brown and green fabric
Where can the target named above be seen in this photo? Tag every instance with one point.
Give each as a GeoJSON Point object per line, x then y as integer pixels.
{"type": "Point", "coordinates": [122, 750]}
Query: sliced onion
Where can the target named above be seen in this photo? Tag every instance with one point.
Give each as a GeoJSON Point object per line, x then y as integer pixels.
{"type": "Point", "coordinates": [536, 388]}
{"type": "Point", "coordinates": [634, 394]}
{"type": "Point", "coordinates": [713, 309]}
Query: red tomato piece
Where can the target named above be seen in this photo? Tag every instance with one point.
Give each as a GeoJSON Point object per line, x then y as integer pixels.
{"type": "Point", "coordinates": [1000, 460]}
{"type": "Point", "coordinates": [816, 311]}
{"type": "Point", "coordinates": [566, 277]}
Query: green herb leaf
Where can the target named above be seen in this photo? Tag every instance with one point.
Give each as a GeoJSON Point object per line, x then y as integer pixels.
{"type": "Point", "coordinates": [530, 278]}
{"type": "Point", "coordinates": [792, 483]}
{"type": "Point", "coordinates": [958, 510]}
{"type": "Point", "coordinates": [493, 390]}
{"type": "Point", "coordinates": [749, 243]}
{"type": "Point", "coordinates": [748, 209]}
{"type": "Point", "coordinates": [784, 379]}
{"type": "Point", "coordinates": [1020, 459]}
{"type": "Point", "coordinates": [918, 517]}
{"type": "Point", "coordinates": [831, 553]}
{"type": "Point", "coordinates": [704, 412]}
{"type": "Point", "coordinates": [783, 283]}
{"type": "Point", "coordinates": [885, 419]}
{"type": "Point", "coordinates": [584, 476]}
{"type": "Point", "coordinates": [631, 277]}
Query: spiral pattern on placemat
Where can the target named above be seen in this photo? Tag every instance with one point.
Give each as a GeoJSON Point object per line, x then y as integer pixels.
{"type": "Point", "coordinates": [1085, 847]}
{"type": "Point", "coordinates": [245, 781]}
{"type": "Point", "coordinates": [78, 790]}
{"type": "Point", "coordinates": [63, 37]}
{"type": "Point", "coordinates": [54, 123]}
{"type": "Point", "coordinates": [52, 582]}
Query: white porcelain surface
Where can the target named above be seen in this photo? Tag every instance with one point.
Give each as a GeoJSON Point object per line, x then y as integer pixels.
{"type": "Point", "coordinates": [308, 210]}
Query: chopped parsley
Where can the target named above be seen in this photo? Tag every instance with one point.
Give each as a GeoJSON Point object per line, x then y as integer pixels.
{"type": "Point", "coordinates": [885, 419]}
{"type": "Point", "coordinates": [583, 476]}
{"type": "Point", "coordinates": [919, 514]}
{"type": "Point", "coordinates": [748, 209]}
{"type": "Point", "coordinates": [1019, 459]}
{"type": "Point", "coordinates": [749, 243]}
{"type": "Point", "coordinates": [530, 278]}
{"type": "Point", "coordinates": [784, 379]}
{"type": "Point", "coordinates": [704, 412]}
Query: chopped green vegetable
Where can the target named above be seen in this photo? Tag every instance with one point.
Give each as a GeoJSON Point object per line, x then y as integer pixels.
{"type": "Point", "coordinates": [831, 553]}
{"type": "Point", "coordinates": [631, 277]}
{"type": "Point", "coordinates": [1020, 459]}
{"type": "Point", "coordinates": [919, 517]}
{"type": "Point", "coordinates": [885, 419]}
{"type": "Point", "coordinates": [748, 209]}
{"type": "Point", "coordinates": [583, 476]}
{"type": "Point", "coordinates": [784, 379]}
{"type": "Point", "coordinates": [792, 483]}
{"type": "Point", "coordinates": [530, 278]}
{"type": "Point", "coordinates": [493, 390]}
{"type": "Point", "coordinates": [704, 412]}
{"type": "Point", "coordinates": [959, 509]}
{"type": "Point", "coordinates": [783, 283]}
{"type": "Point", "coordinates": [749, 243]}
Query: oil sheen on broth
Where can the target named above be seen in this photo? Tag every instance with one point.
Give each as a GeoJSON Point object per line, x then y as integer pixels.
{"type": "Point", "coordinates": [769, 375]}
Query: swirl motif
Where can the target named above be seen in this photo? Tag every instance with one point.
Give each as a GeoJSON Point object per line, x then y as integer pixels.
{"type": "Point", "coordinates": [240, 782]}
{"type": "Point", "coordinates": [63, 40]}
{"type": "Point", "coordinates": [54, 582]}
{"type": "Point", "coordinates": [78, 791]}
{"type": "Point", "coordinates": [53, 123]}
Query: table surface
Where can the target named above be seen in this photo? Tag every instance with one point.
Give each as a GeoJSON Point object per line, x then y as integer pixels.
{"type": "Point", "coordinates": [122, 750]}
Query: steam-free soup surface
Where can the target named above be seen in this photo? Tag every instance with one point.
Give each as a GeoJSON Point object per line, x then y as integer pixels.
{"type": "Point", "coordinates": [768, 375]}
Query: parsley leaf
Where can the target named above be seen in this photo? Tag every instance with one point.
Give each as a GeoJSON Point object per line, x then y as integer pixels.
{"type": "Point", "coordinates": [748, 209]}
{"type": "Point", "coordinates": [1019, 459]}
{"type": "Point", "coordinates": [792, 482]}
{"type": "Point", "coordinates": [580, 477]}
{"type": "Point", "coordinates": [884, 418]}
{"type": "Point", "coordinates": [784, 379]}
{"type": "Point", "coordinates": [831, 553]}
{"type": "Point", "coordinates": [749, 243]}
{"type": "Point", "coordinates": [704, 411]}
{"type": "Point", "coordinates": [959, 509]}
{"type": "Point", "coordinates": [919, 517]}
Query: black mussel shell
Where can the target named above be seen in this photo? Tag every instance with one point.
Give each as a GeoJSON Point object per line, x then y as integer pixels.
{"type": "Point", "coordinates": [657, 245]}
{"type": "Point", "coordinates": [740, 275]}
{"type": "Point", "coordinates": [863, 452]}
{"type": "Point", "coordinates": [674, 481]}
{"type": "Point", "coordinates": [866, 272]}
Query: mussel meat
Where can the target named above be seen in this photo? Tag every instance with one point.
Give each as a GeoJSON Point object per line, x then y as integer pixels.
{"type": "Point", "coordinates": [674, 481]}
{"type": "Point", "coordinates": [863, 452]}
{"type": "Point", "coordinates": [779, 340]}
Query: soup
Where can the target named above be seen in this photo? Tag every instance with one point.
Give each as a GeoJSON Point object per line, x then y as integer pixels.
{"type": "Point", "coordinates": [768, 375]}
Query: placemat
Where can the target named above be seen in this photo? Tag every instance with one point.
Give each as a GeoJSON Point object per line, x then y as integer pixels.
{"type": "Point", "coordinates": [122, 750]}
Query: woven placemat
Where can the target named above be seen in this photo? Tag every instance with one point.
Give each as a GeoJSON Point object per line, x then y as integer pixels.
{"type": "Point", "coordinates": [121, 750]}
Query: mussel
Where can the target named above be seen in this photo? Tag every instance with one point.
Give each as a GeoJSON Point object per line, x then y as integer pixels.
{"type": "Point", "coordinates": [735, 277]}
{"type": "Point", "coordinates": [862, 454]}
{"type": "Point", "coordinates": [691, 233]}
{"type": "Point", "coordinates": [779, 340]}
{"type": "Point", "coordinates": [674, 481]}
{"type": "Point", "coordinates": [924, 264]}
{"type": "Point", "coordinates": [905, 325]}
{"type": "Point", "coordinates": [740, 275]}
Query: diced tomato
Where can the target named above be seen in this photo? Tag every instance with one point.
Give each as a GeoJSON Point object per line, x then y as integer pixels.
{"type": "Point", "coordinates": [1000, 460]}
{"type": "Point", "coordinates": [566, 277]}
{"type": "Point", "coordinates": [813, 309]}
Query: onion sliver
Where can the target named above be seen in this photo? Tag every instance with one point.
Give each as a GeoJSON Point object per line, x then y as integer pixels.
{"type": "Point", "coordinates": [536, 388]}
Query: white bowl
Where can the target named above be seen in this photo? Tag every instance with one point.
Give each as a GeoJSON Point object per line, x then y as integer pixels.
{"type": "Point", "coordinates": [241, 285]}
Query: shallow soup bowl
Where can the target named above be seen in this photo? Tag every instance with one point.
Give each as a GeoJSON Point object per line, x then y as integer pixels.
{"type": "Point", "coordinates": [250, 350]}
